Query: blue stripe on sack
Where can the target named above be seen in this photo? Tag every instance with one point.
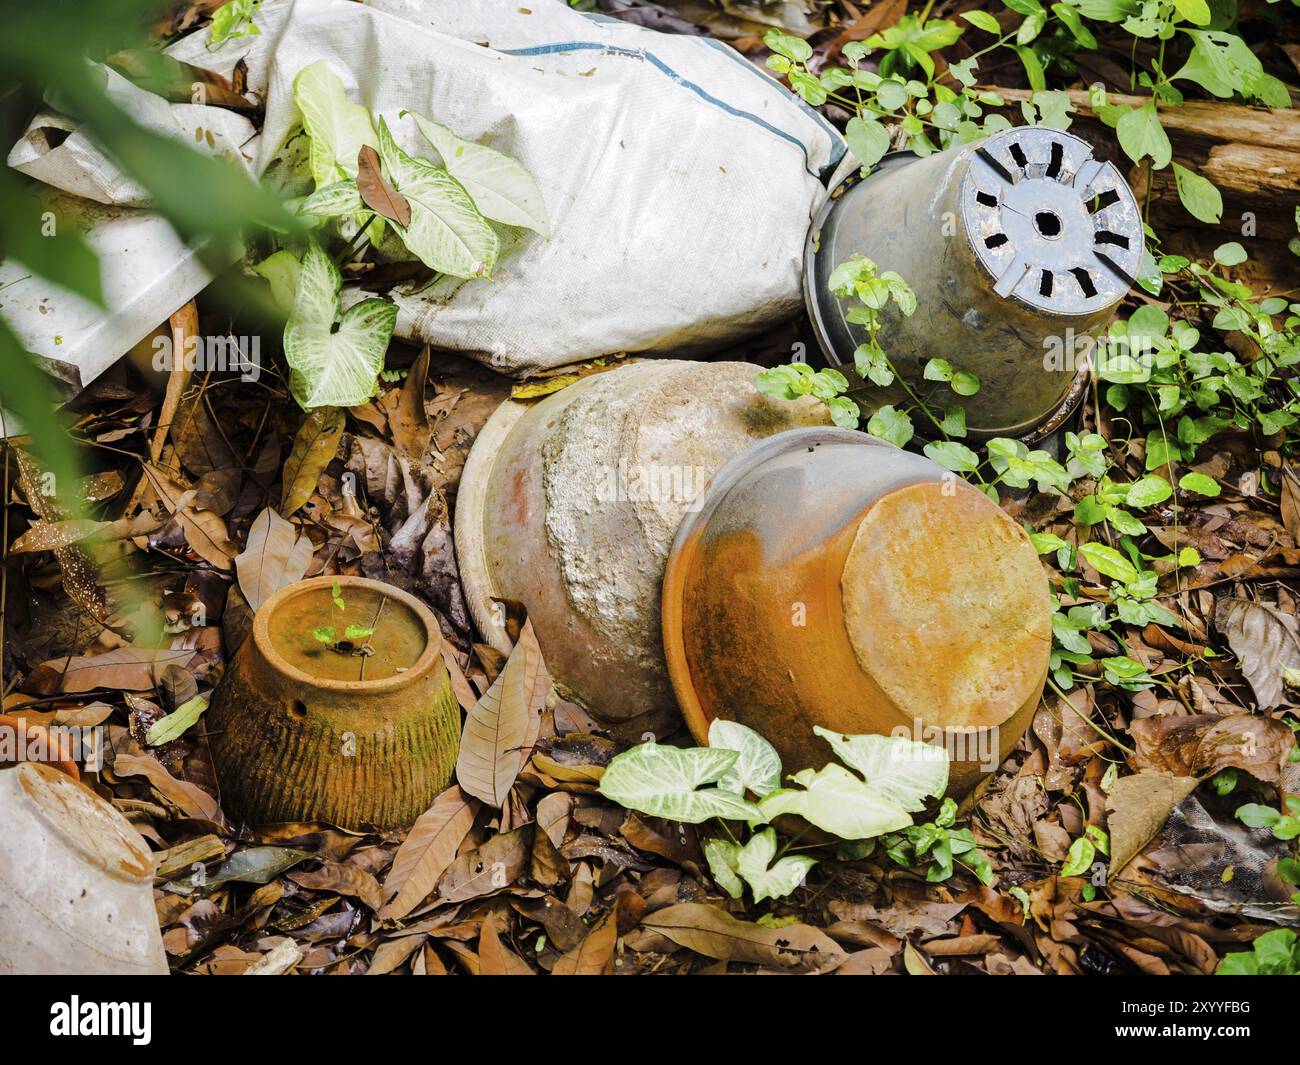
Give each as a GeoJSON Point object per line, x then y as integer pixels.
{"type": "Point", "coordinates": [838, 145]}
{"type": "Point", "coordinates": [639, 53]}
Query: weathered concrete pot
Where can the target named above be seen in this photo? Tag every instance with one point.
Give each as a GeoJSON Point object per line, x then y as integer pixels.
{"type": "Point", "coordinates": [300, 732]}
{"type": "Point", "coordinates": [830, 579]}
{"type": "Point", "coordinates": [570, 505]}
{"type": "Point", "coordinates": [1019, 248]}
{"type": "Point", "coordinates": [76, 882]}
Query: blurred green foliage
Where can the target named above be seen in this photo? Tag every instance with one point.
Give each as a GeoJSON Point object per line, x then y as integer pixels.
{"type": "Point", "coordinates": [52, 50]}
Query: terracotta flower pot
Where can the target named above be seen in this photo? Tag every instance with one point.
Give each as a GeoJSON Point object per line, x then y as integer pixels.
{"type": "Point", "coordinates": [570, 505]}
{"type": "Point", "coordinates": [300, 731]}
{"type": "Point", "coordinates": [76, 881]}
{"type": "Point", "coordinates": [830, 579]}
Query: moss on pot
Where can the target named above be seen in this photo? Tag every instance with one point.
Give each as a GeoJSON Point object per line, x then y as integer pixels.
{"type": "Point", "coordinates": [357, 732]}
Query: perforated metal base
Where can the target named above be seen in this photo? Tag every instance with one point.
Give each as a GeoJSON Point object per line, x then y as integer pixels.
{"type": "Point", "coordinates": [1054, 227]}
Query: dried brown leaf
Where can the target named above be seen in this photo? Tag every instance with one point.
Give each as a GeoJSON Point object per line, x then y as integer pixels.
{"type": "Point", "coordinates": [1200, 745]}
{"type": "Point", "coordinates": [502, 726]}
{"type": "Point", "coordinates": [553, 816]}
{"type": "Point", "coordinates": [409, 421]}
{"type": "Point", "coordinates": [189, 798]}
{"type": "Point", "coordinates": [199, 443]}
{"type": "Point", "coordinates": [548, 866]}
{"type": "Point", "coordinates": [488, 869]}
{"type": "Point", "coordinates": [564, 928]}
{"type": "Point", "coordinates": [1265, 641]}
{"type": "Point", "coordinates": [594, 956]}
{"type": "Point", "coordinates": [494, 957]}
{"type": "Point", "coordinates": [340, 878]}
{"type": "Point", "coordinates": [314, 445]}
{"type": "Point", "coordinates": [426, 852]}
{"type": "Point", "coordinates": [709, 931]}
{"type": "Point", "coordinates": [274, 557]}
{"type": "Point", "coordinates": [54, 535]}
{"type": "Point", "coordinates": [176, 686]}
{"type": "Point", "coordinates": [392, 953]}
{"type": "Point", "coordinates": [123, 669]}
{"type": "Point", "coordinates": [1137, 807]}
{"type": "Point", "coordinates": [375, 190]}
{"type": "Point", "coordinates": [1291, 502]}
{"type": "Point", "coordinates": [916, 962]}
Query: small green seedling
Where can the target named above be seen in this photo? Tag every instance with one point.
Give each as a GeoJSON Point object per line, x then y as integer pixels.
{"type": "Point", "coordinates": [327, 634]}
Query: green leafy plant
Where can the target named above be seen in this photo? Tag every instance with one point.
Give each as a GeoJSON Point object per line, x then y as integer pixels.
{"type": "Point", "coordinates": [1083, 852]}
{"type": "Point", "coordinates": [372, 195]}
{"type": "Point", "coordinates": [334, 358]}
{"type": "Point", "coordinates": [930, 103]}
{"type": "Point", "coordinates": [906, 87]}
{"type": "Point", "coordinates": [327, 634]}
{"type": "Point", "coordinates": [737, 778]}
{"type": "Point", "coordinates": [1181, 390]}
{"type": "Point", "coordinates": [859, 279]}
{"type": "Point", "coordinates": [1218, 61]}
{"type": "Point", "coordinates": [45, 52]}
{"type": "Point", "coordinates": [799, 379]}
{"type": "Point", "coordinates": [1275, 953]}
{"type": "Point", "coordinates": [1282, 825]}
{"type": "Point", "coordinates": [234, 19]}
{"type": "Point", "coordinates": [938, 847]}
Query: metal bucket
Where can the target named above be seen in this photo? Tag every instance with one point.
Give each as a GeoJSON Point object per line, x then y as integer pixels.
{"type": "Point", "coordinates": [76, 882]}
{"type": "Point", "coordinates": [831, 579]}
{"type": "Point", "coordinates": [1018, 248]}
{"type": "Point", "coordinates": [570, 506]}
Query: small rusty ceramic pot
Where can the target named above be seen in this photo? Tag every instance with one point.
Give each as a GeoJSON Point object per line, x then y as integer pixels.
{"type": "Point", "coordinates": [570, 505]}
{"type": "Point", "coordinates": [76, 882]}
{"type": "Point", "coordinates": [831, 579]}
{"type": "Point", "coordinates": [305, 730]}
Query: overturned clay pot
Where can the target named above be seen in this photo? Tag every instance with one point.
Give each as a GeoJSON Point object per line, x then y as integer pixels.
{"type": "Point", "coordinates": [831, 579]}
{"type": "Point", "coordinates": [570, 505]}
{"type": "Point", "coordinates": [76, 882]}
{"type": "Point", "coordinates": [300, 731]}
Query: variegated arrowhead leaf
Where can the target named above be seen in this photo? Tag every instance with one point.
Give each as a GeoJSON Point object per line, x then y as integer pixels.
{"type": "Point", "coordinates": [768, 881]}
{"type": "Point", "coordinates": [836, 801]}
{"type": "Point", "coordinates": [281, 272]}
{"type": "Point", "coordinates": [336, 127]}
{"type": "Point", "coordinates": [447, 232]}
{"type": "Point", "coordinates": [331, 201]}
{"type": "Point", "coordinates": [902, 771]}
{"type": "Point", "coordinates": [667, 782]}
{"type": "Point", "coordinates": [500, 186]}
{"type": "Point", "coordinates": [758, 767]}
{"type": "Point", "coordinates": [722, 856]}
{"type": "Point", "coordinates": [335, 360]}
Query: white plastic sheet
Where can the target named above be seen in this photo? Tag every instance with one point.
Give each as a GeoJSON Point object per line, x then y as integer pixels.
{"type": "Point", "coordinates": [679, 178]}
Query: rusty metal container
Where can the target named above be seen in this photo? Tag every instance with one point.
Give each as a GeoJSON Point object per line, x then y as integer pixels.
{"type": "Point", "coordinates": [1019, 247]}
{"type": "Point", "coordinates": [570, 505]}
{"type": "Point", "coordinates": [76, 882]}
{"type": "Point", "coordinates": [831, 579]}
{"type": "Point", "coordinates": [302, 731]}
